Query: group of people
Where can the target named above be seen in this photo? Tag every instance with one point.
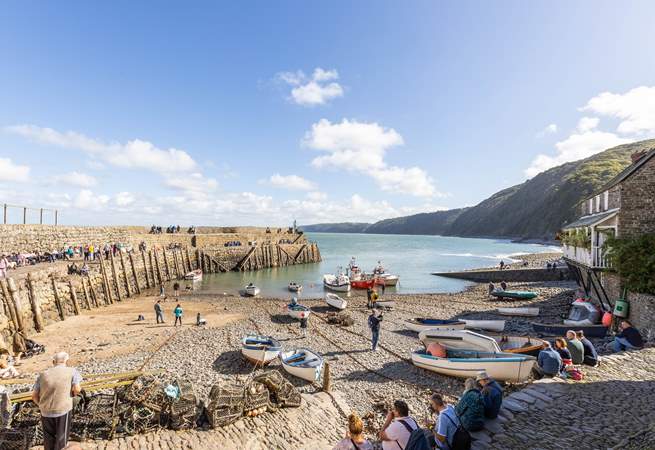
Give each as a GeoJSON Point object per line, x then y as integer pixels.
{"type": "Point", "coordinates": [169, 229]}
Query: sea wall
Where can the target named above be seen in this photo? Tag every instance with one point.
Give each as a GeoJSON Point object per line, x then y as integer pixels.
{"type": "Point", "coordinates": [642, 306]}
{"type": "Point", "coordinates": [515, 275]}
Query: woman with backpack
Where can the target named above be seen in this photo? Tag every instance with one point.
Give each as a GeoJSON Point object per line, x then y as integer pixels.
{"type": "Point", "coordinates": [470, 408]}
{"type": "Point", "coordinates": [354, 439]}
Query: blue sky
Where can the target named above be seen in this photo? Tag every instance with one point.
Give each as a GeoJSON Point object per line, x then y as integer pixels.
{"type": "Point", "coordinates": [262, 112]}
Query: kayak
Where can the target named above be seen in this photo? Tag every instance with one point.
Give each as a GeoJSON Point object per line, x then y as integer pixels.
{"type": "Point", "coordinates": [518, 295]}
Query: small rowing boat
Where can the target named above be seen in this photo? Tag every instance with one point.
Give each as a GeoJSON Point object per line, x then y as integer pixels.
{"type": "Point", "coordinates": [295, 287]}
{"type": "Point", "coordinates": [259, 349]}
{"type": "Point", "coordinates": [555, 329]}
{"type": "Point", "coordinates": [298, 311]}
{"type": "Point", "coordinates": [338, 283]}
{"type": "Point", "coordinates": [469, 340]}
{"type": "Point", "coordinates": [518, 311]}
{"type": "Point", "coordinates": [490, 325]}
{"type": "Point", "coordinates": [194, 275]}
{"type": "Point", "coordinates": [515, 295]}
{"type": "Point", "coordinates": [335, 301]}
{"type": "Point", "coordinates": [302, 363]}
{"type": "Point", "coordinates": [419, 324]}
{"type": "Point", "coordinates": [251, 290]}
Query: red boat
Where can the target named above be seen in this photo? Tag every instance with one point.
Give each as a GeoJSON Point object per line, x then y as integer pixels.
{"type": "Point", "coordinates": [365, 283]}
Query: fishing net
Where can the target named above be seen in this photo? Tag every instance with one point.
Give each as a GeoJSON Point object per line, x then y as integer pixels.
{"type": "Point", "coordinates": [283, 394]}
{"type": "Point", "coordinates": [140, 419]}
{"type": "Point", "coordinates": [27, 422]}
{"type": "Point", "coordinates": [95, 417]}
{"type": "Point", "coordinates": [149, 392]}
{"type": "Point", "coordinates": [15, 439]}
{"type": "Point", "coordinates": [183, 411]}
{"type": "Point", "coordinates": [226, 403]}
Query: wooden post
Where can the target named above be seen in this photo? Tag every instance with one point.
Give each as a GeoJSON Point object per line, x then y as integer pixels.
{"type": "Point", "coordinates": [41, 216]}
{"type": "Point", "coordinates": [176, 265]}
{"type": "Point", "coordinates": [36, 307]}
{"type": "Point", "coordinates": [60, 308]}
{"type": "Point", "coordinates": [326, 377]}
{"type": "Point", "coordinates": [13, 290]}
{"type": "Point", "coordinates": [168, 269]}
{"type": "Point", "coordinates": [9, 304]}
{"type": "Point", "coordinates": [125, 277]}
{"type": "Point", "coordinates": [5, 214]}
{"type": "Point", "coordinates": [198, 266]}
{"type": "Point", "coordinates": [24, 216]}
{"type": "Point", "coordinates": [136, 278]}
{"type": "Point", "coordinates": [56, 216]}
{"type": "Point", "coordinates": [159, 273]}
{"type": "Point", "coordinates": [76, 305]}
{"type": "Point", "coordinates": [87, 298]}
{"type": "Point", "coordinates": [105, 283]}
{"type": "Point", "coordinates": [145, 269]}
{"type": "Point", "coordinates": [94, 296]}
{"type": "Point", "coordinates": [152, 269]}
{"type": "Point", "coordinates": [188, 259]}
{"type": "Point", "coordinates": [115, 275]}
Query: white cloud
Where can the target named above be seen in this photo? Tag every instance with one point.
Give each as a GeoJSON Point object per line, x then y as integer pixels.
{"type": "Point", "coordinates": [134, 154]}
{"type": "Point", "coordinates": [194, 182]}
{"type": "Point", "coordinates": [86, 199]}
{"type": "Point", "coordinates": [318, 89]}
{"type": "Point", "coordinates": [361, 147]}
{"type": "Point", "coordinates": [549, 129]}
{"type": "Point", "coordinates": [74, 178]}
{"type": "Point", "coordinates": [13, 172]}
{"type": "Point", "coordinates": [586, 124]}
{"type": "Point", "coordinates": [635, 109]}
{"type": "Point", "coordinates": [123, 199]}
{"type": "Point", "coordinates": [291, 182]}
{"type": "Point", "coordinates": [317, 196]}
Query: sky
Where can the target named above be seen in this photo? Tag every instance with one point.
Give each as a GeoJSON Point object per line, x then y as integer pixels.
{"type": "Point", "coordinates": [261, 113]}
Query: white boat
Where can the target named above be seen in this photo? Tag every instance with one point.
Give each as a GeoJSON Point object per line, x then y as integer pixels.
{"type": "Point", "coordinates": [419, 324]}
{"type": "Point", "coordinates": [302, 363]}
{"type": "Point", "coordinates": [465, 363]}
{"type": "Point", "coordinates": [260, 349]}
{"type": "Point", "coordinates": [335, 301]}
{"type": "Point", "coordinates": [518, 311]}
{"type": "Point", "coordinates": [295, 287]}
{"type": "Point", "coordinates": [194, 275]}
{"type": "Point", "coordinates": [251, 290]}
{"type": "Point", "coordinates": [338, 283]}
{"type": "Point", "coordinates": [381, 273]}
{"type": "Point", "coordinates": [298, 311]}
{"type": "Point", "coordinates": [490, 325]}
{"type": "Point", "coordinates": [469, 340]}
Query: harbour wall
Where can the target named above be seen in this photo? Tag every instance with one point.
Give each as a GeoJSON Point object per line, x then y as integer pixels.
{"type": "Point", "coordinates": [516, 275]}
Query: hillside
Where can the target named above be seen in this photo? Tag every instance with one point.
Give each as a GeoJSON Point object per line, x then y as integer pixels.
{"type": "Point", "coordinates": [535, 209]}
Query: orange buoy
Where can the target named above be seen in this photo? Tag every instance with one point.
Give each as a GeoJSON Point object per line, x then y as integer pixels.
{"type": "Point", "coordinates": [607, 319]}
{"type": "Point", "coordinates": [436, 349]}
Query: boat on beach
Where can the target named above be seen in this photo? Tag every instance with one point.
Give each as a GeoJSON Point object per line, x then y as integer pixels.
{"type": "Point", "coordinates": [295, 287]}
{"type": "Point", "coordinates": [194, 275]}
{"type": "Point", "coordinates": [469, 340]}
{"type": "Point", "coordinates": [259, 349]}
{"type": "Point", "coordinates": [526, 312]}
{"type": "Point", "coordinates": [251, 290]}
{"type": "Point", "coordinates": [366, 283]}
{"type": "Point", "coordinates": [419, 324]}
{"type": "Point", "coordinates": [513, 295]}
{"type": "Point", "coordinates": [338, 283]}
{"type": "Point", "coordinates": [381, 273]}
{"type": "Point", "coordinates": [298, 311]}
{"type": "Point", "coordinates": [490, 325]}
{"type": "Point", "coordinates": [302, 363]}
{"type": "Point", "coordinates": [560, 329]}
{"type": "Point", "coordinates": [335, 301]}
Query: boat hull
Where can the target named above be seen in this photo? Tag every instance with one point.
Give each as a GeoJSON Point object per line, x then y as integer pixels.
{"type": "Point", "coordinates": [252, 291]}
{"type": "Point", "coordinates": [418, 326]}
{"type": "Point", "coordinates": [384, 304]}
{"type": "Point", "coordinates": [514, 295]}
{"type": "Point", "coordinates": [337, 287]}
{"type": "Point", "coordinates": [335, 301]}
{"type": "Point", "coordinates": [194, 275]}
{"type": "Point", "coordinates": [260, 350]}
{"type": "Point", "coordinates": [598, 331]}
{"type": "Point", "coordinates": [308, 369]}
{"type": "Point", "coordinates": [523, 312]}
{"type": "Point", "coordinates": [298, 313]}
{"type": "Point", "coordinates": [490, 325]}
{"type": "Point", "coordinates": [295, 288]}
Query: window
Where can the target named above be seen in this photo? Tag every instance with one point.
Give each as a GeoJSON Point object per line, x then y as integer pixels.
{"type": "Point", "coordinates": [591, 206]}
{"type": "Point", "coordinates": [598, 203]}
{"type": "Point", "coordinates": [606, 200]}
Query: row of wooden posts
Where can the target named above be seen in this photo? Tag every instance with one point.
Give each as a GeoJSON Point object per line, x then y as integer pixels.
{"type": "Point", "coordinates": [261, 257]}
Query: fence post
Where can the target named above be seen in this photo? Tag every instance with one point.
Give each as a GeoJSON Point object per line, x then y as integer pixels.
{"type": "Point", "coordinates": [5, 214]}
{"type": "Point", "coordinates": [56, 216]}
{"type": "Point", "coordinates": [41, 216]}
{"type": "Point", "coordinates": [24, 215]}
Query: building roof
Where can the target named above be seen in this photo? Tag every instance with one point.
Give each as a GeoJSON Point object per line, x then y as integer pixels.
{"type": "Point", "coordinates": [625, 173]}
{"type": "Point", "coordinates": [592, 220]}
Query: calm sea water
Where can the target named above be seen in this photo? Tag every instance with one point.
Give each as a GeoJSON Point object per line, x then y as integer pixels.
{"type": "Point", "coordinates": [413, 258]}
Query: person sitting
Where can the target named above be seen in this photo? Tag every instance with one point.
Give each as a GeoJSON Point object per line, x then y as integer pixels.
{"type": "Point", "coordinates": [492, 288]}
{"type": "Point", "coordinates": [470, 408]}
{"type": "Point", "coordinates": [7, 370]}
{"type": "Point", "coordinates": [575, 347]}
{"type": "Point", "coordinates": [628, 339]}
{"type": "Point", "coordinates": [397, 427]}
{"type": "Point", "coordinates": [85, 269]}
{"type": "Point", "coordinates": [549, 362]}
{"type": "Point", "coordinates": [492, 395]}
{"type": "Point", "coordinates": [354, 439]}
{"type": "Point", "coordinates": [503, 286]}
{"type": "Point", "coordinates": [446, 422]}
{"type": "Point", "coordinates": [200, 321]}
{"type": "Point", "coordinates": [590, 354]}
{"type": "Point", "coordinates": [564, 353]}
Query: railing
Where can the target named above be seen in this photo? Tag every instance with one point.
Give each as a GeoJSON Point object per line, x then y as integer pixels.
{"type": "Point", "coordinates": [595, 257]}
{"type": "Point", "coordinates": [6, 208]}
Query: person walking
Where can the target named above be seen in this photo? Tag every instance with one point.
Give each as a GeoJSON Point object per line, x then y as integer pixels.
{"type": "Point", "coordinates": [53, 392]}
{"type": "Point", "coordinates": [178, 314]}
{"type": "Point", "coordinates": [159, 312]}
{"type": "Point", "coordinates": [374, 324]}
{"type": "Point", "coordinates": [304, 322]}
{"type": "Point", "coordinates": [176, 289]}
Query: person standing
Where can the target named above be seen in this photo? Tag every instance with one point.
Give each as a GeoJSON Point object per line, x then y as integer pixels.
{"type": "Point", "coordinates": [159, 312]}
{"type": "Point", "coordinates": [4, 265]}
{"type": "Point", "coordinates": [53, 392]}
{"type": "Point", "coordinates": [369, 295]}
{"type": "Point", "coordinates": [304, 322]}
{"type": "Point", "coordinates": [162, 293]}
{"type": "Point", "coordinates": [178, 314]}
{"type": "Point", "coordinates": [374, 324]}
{"type": "Point", "coordinates": [176, 289]}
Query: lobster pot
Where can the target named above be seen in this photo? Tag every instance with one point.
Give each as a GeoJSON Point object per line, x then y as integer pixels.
{"type": "Point", "coordinates": [26, 428]}
{"type": "Point", "coordinates": [140, 419]}
{"type": "Point", "coordinates": [226, 402]}
{"type": "Point", "coordinates": [257, 397]}
{"type": "Point", "coordinates": [283, 394]}
{"type": "Point", "coordinates": [95, 418]}
{"type": "Point", "coordinates": [147, 391]}
{"type": "Point", "coordinates": [183, 411]}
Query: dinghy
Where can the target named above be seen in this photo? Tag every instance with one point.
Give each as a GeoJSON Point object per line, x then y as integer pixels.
{"type": "Point", "coordinates": [338, 283]}
{"type": "Point", "coordinates": [335, 301]}
{"type": "Point", "coordinates": [469, 340]}
{"type": "Point", "coordinates": [302, 363]}
{"type": "Point", "coordinates": [515, 295]}
{"type": "Point", "coordinates": [298, 311]}
{"type": "Point", "coordinates": [295, 287]}
{"type": "Point", "coordinates": [260, 350]}
{"type": "Point", "coordinates": [490, 325]}
{"type": "Point", "coordinates": [518, 311]}
{"type": "Point", "coordinates": [420, 324]}
{"type": "Point", "coordinates": [558, 329]}
{"type": "Point", "coordinates": [466, 363]}
{"type": "Point", "coordinates": [194, 275]}
{"type": "Point", "coordinates": [251, 290]}
{"type": "Point", "coordinates": [524, 345]}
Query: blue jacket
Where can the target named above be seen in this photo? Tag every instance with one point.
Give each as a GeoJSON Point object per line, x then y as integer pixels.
{"type": "Point", "coordinates": [549, 361]}
{"type": "Point", "coordinates": [492, 396]}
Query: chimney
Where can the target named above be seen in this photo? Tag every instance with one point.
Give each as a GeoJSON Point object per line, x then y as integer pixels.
{"type": "Point", "coordinates": [636, 156]}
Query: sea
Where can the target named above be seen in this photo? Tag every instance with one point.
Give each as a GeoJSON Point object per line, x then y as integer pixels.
{"type": "Point", "coordinates": [412, 258]}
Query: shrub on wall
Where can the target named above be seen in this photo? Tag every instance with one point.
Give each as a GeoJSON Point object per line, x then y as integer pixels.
{"type": "Point", "coordinates": [634, 260]}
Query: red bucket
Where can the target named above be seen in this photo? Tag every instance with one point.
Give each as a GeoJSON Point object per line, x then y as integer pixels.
{"type": "Point", "coordinates": [607, 319]}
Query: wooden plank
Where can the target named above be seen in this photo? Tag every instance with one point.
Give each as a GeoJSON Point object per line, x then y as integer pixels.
{"type": "Point", "coordinates": [134, 274]}
{"type": "Point", "coordinates": [159, 271]}
{"type": "Point", "coordinates": [13, 291]}
{"type": "Point", "coordinates": [60, 307]}
{"type": "Point", "coordinates": [76, 305]}
{"type": "Point", "coordinates": [168, 269]}
{"type": "Point", "coordinates": [9, 304]}
{"type": "Point", "coordinates": [87, 297]}
{"type": "Point", "coordinates": [145, 269]}
{"type": "Point", "coordinates": [176, 265]}
{"type": "Point", "coordinates": [125, 277]}
{"type": "Point", "coordinates": [105, 283]}
{"type": "Point", "coordinates": [36, 304]}
{"type": "Point", "coordinates": [94, 296]}
{"type": "Point", "coordinates": [114, 273]}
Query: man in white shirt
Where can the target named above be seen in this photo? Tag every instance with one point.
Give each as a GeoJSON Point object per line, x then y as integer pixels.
{"type": "Point", "coordinates": [398, 427]}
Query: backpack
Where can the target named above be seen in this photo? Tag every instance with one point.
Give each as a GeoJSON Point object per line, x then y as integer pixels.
{"type": "Point", "coordinates": [461, 438]}
{"type": "Point", "coordinates": [417, 438]}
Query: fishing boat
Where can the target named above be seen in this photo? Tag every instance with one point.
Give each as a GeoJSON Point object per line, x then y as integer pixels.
{"type": "Point", "coordinates": [518, 311]}
{"type": "Point", "coordinates": [420, 324]}
{"type": "Point", "coordinates": [469, 340]}
{"type": "Point", "coordinates": [490, 325]}
{"type": "Point", "coordinates": [381, 273]}
{"type": "Point", "coordinates": [559, 329]}
{"type": "Point", "coordinates": [354, 272]}
{"type": "Point", "coordinates": [298, 311]}
{"type": "Point", "coordinates": [366, 283]}
{"type": "Point", "coordinates": [335, 301]}
{"type": "Point", "coordinates": [295, 287]}
{"type": "Point", "coordinates": [194, 275]}
{"type": "Point", "coordinates": [251, 290]}
{"type": "Point", "coordinates": [259, 349]}
{"type": "Point", "coordinates": [515, 295]}
{"type": "Point", "coordinates": [338, 283]}
{"type": "Point", "coordinates": [302, 363]}
{"type": "Point", "coordinates": [466, 363]}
